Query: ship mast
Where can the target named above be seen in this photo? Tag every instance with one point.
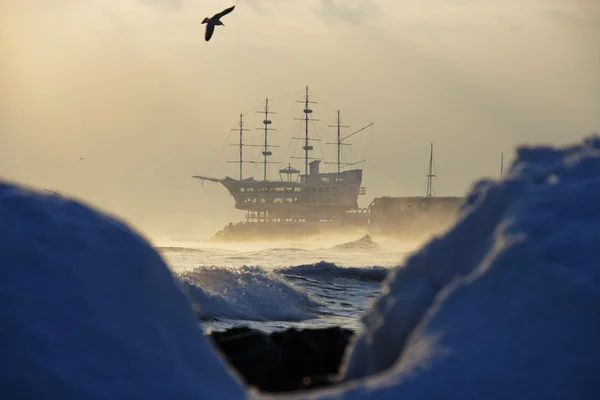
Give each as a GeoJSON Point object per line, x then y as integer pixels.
{"type": "Point", "coordinates": [266, 122]}
{"type": "Point", "coordinates": [430, 174]}
{"type": "Point", "coordinates": [339, 141]}
{"type": "Point", "coordinates": [307, 111]}
{"type": "Point", "coordinates": [241, 145]}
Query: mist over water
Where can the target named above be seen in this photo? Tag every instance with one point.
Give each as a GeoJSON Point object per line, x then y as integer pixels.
{"type": "Point", "coordinates": [362, 249]}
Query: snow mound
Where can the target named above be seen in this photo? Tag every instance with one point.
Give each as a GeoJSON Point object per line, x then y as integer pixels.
{"type": "Point", "coordinates": [506, 305]}
{"type": "Point", "coordinates": [89, 310]}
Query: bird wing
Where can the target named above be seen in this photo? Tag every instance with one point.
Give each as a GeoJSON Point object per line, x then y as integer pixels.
{"type": "Point", "coordinates": [210, 28]}
{"type": "Point", "coordinates": [224, 12]}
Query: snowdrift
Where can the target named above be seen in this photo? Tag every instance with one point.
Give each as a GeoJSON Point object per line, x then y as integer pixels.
{"type": "Point", "coordinates": [89, 310]}
{"type": "Point", "coordinates": [506, 305]}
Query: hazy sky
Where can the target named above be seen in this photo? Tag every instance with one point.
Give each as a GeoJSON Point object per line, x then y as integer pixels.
{"type": "Point", "coordinates": [131, 86]}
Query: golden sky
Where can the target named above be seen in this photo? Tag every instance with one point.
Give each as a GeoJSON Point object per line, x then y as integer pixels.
{"type": "Point", "coordinates": [132, 87]}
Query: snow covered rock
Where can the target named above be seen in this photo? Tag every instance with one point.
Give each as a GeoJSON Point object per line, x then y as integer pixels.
{"type": "Point", "coordinates": [505, 305]}
{"type": "Point", "coordinates": [89, 310]}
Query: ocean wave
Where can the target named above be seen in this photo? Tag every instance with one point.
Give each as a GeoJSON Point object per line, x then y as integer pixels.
{"type": "Point", "coordinates": [324, 269]}
{"type": "Point", "coordinates": [177, 249]}
{"type": "Point", "coordinates": [286, 249]}
{"type": "Point", "coordinates": [246, 293]}
{"type": "Point", "coordinates": [364, 243]}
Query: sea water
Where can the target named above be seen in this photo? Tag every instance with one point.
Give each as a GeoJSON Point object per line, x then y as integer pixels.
{"type": "Point", "coordinates": [313, 283]}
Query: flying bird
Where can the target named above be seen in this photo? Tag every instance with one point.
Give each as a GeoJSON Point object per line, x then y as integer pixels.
{"type": "Point", "coordinates": [214, 20]}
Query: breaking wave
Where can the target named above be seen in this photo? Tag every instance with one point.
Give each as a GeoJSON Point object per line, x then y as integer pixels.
{"type": "Point", "coordinates": [364, 243]}
{"type": "Point", "coordinates": [252, 293]}
{"type": "Point", "coordinates": [246, 293]}
{"type": "Point", "coordinates": [324, 269]}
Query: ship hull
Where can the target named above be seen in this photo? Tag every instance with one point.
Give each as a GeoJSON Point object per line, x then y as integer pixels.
{"type": "Point", "coordinates": [260, 231]}
{"type": "Point", "coordinates": [410, 218]}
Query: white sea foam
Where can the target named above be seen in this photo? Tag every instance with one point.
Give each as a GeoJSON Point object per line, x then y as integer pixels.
{"type": "Point", "coordinates": [246, 293]}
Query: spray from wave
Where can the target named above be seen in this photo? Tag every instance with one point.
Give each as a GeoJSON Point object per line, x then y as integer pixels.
{"type": "Point", "coordinates": [246, 293]}
{"type": "Point", "coordinates": [365, 243]}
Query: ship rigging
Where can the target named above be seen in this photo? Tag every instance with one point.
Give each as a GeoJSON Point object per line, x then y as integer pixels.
{"type": "Point", "coordinates": [310, 197]}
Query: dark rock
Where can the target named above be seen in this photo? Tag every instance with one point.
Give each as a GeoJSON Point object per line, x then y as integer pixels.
{"type": "Point", "coordinates": [284, 361]}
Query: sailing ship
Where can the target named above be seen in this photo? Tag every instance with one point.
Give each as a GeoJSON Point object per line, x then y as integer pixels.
{"type": "Point", "coordinates": [298, 198]}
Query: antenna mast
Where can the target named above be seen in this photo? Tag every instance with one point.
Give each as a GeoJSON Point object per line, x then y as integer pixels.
{"type": "Point", "coordinates": [430, 174]}
{"type": "Point", "coordinates": [266, 128]}
{"type": "Point", "coordinates": [307, 111]}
